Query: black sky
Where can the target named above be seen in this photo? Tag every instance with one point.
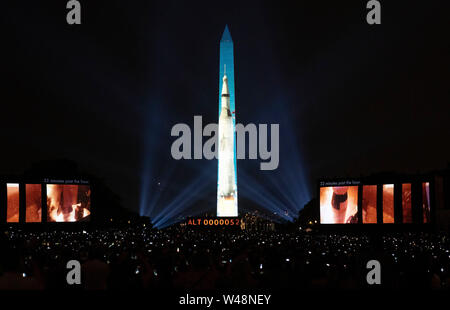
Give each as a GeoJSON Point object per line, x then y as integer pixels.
{"type": "Point", "coordinates": [364, 99]}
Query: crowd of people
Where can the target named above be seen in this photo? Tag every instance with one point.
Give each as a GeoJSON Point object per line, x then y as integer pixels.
{"type": "Point", "coordinates": [140, 257]}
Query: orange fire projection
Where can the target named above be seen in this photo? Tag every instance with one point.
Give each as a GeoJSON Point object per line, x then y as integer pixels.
{"type": "Point", "coordinates": [388, 203]}
{"type": "Point", "coordinates": [67, 203]}
{"type": "Point", "coordinates": [426, 201]}
{"type": "Point", "coordinates": [369, 204]}
{"type": "Point", "coordinates": [338, 204]}
{"type": "Point", "coordinates": [406, 203]}
{"type": "Point", "coordinates": [12, 204]}
{"type": "Point", "coordinates": [33, 211]}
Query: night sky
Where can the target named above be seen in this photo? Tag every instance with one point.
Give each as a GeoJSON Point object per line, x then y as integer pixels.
{"type": "Point", "coordinates": [351, 98]}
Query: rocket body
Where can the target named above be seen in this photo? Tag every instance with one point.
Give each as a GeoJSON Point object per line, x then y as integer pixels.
{"type": "Point", "coordinates": [226, 189]}
{"type": "Point", "coordinates": [227, 203]}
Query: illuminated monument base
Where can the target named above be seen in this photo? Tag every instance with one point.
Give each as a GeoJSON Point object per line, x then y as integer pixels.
{"type": "Point", "coordinates": [227, 206]}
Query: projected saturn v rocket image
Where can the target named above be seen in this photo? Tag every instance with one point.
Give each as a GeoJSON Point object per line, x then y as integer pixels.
{"type": "Point", "coordinates": [227, 173]}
